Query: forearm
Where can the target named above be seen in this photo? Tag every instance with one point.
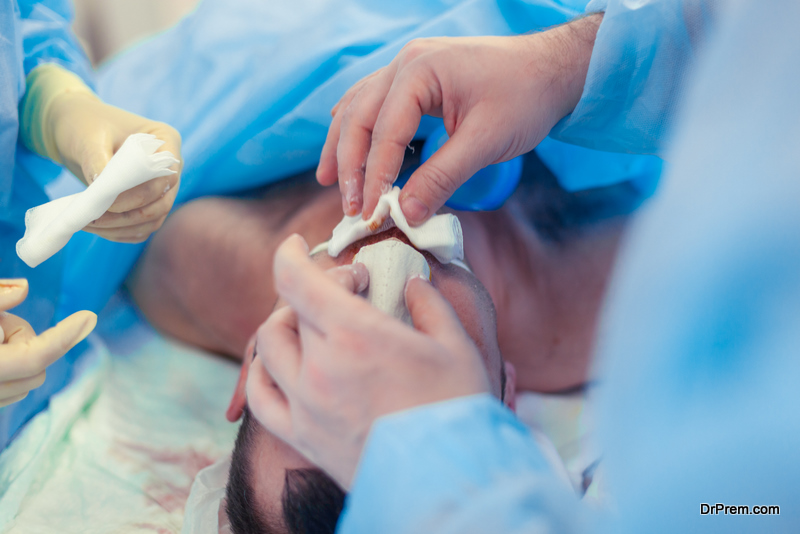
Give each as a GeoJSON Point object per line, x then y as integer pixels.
{"type": "Point", "coordinates": [46, 29]}
{"type": "Point", "coordinates": [571, 46]}
{"type": "Point", "coordinates": [45, 86]}
{"type": "Point", "coordinates": [636, 74]}
{"type": "Point", "coordinates": [465, 465]}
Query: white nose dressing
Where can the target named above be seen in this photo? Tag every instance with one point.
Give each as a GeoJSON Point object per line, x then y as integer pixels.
{"type": "Point", "coordinates": [391, 263]}
{"type": "Point", "coordinates": [440, 235]}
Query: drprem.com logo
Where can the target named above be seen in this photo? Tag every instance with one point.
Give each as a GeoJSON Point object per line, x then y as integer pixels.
{"type": "Point", "coordinates": [724, 509]}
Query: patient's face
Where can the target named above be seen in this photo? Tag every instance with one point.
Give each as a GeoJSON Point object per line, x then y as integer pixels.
{"type": "Point", "coordinates": [269, 458]}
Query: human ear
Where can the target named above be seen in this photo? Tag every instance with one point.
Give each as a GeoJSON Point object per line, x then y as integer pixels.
{"type": "Point", "coordinates": [239, 399]}
{"type": "Point", "coordinates": [510, 393]}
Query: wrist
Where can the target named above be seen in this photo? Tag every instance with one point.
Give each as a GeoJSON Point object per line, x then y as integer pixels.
{"type": "Point", "coordinates": [570, 47]}
{"type": "Point", "coordinates": [48, 86]}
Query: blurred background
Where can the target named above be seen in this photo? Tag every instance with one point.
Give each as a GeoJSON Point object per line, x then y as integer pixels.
{"type": "Point", "coordinates": [106, 27]}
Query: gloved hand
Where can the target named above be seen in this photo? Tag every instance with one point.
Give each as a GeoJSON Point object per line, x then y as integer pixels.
{"type": "Point", "coordinates": [62, 119]}
{"type": "Point", "coordinates": [24, 356]}
{"type": "Point", "coordinates": [499, 97]}
{"type": "Point", "coordinates": [329, 364]}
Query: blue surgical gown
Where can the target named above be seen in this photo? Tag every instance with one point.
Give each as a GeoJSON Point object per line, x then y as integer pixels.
{"type": "Point", "coordinates": [250, 84]}
{"type": "Point", "coordinates": [699, 346]}
{"type": "Point", "coordinates": [30, 33]}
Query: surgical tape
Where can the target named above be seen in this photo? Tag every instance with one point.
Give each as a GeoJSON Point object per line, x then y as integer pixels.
{"type": "Point", "coordinates": [440, 235]}
{"type": "Point", "coordinates": [391, 263]}
{"type": "Point", "coordinates": [50, 226]}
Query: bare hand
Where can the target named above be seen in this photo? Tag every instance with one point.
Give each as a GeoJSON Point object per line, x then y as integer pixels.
{"type": "Point", "coordinates": [329, 364]}
{"type": "Point", "coordinates": [499, 97]}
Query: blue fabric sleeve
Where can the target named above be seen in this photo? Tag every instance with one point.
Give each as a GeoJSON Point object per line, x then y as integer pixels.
{"type": "Point", "coordinates": [641, 59]}
{"type": "Point", "coordinates": [47, 37]}
{"type": "Point", "coordinates": [250, 84]}
{"type": "Point", "coordinates": [465, 465]}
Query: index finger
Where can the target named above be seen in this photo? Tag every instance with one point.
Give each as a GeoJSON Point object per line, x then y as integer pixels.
{"type": "Point", "coordinates": [395, 126]}
{"type": "Point", "coordinates": [25, 356]}
{"type": "Point", "coordinates": [315, 296]}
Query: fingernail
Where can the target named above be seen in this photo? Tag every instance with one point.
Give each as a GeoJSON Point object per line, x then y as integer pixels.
{"type": "Point", "coordinates": [415, 277]}
{"type": "Point", "coordinates": [346, 207]}
{"type": "Point", "coordinates": [302, 241]}
{"type": "Point", "coordinates": [351, 196]}
{"type": "Point", "coordinates": [413, 209]}
{"type": "Point", "coordinates": [361, 276]}
{"type": "Point", "coordinates": [88, 326]}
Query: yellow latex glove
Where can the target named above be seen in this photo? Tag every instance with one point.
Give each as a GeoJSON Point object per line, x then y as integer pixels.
{"type": "Point", "coordinates": [24, 356]}
{"type": "Point", "coordinates": [62, 119]}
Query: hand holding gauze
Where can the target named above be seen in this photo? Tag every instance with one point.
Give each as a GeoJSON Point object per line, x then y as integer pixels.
{"type": "Point", "coordinates": [50, 226]}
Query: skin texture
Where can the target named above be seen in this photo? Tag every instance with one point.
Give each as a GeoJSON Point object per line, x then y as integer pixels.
{"type": "Point", "coordinates": [473, 309]}
{"type": "Point", "coordinates": [207, 277]}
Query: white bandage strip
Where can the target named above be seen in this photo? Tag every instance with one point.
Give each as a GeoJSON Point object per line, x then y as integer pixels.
{"type": "Point", "coordinates": [50, 226]}
{"type": "Point", "coordinates": [391, 263]}
{"type": "Point", "coordinates": [440, 235]}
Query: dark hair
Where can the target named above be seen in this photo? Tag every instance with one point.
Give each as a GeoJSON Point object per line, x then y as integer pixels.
{"type": "Point", "coordinates": [311, 500]}
{"type": "Point", "coordinates": [558, 214]}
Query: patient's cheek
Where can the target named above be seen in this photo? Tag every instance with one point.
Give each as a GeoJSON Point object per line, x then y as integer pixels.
{"type": "Point", "coordinates": [458, 287]}
{"type": "Point", "coordinates": [474, 308]}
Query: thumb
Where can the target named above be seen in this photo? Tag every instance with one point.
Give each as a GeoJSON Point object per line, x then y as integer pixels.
{"type": "Point", "coordinates": [12, 292]}
{"type": "Point", "coordinates": [354, 278]}
{"type": "Point", "coordinates": [432, 314]}
{"type": "Point", "coordinates": [435, 181]}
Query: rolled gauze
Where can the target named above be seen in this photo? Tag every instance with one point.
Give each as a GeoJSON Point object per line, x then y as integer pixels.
{"type": "Point", "coordinates": [50, 226]}
{"type": "Point", "coordinates": [391, 263]}
{"type": "Point", "coordinates": [440, 235]}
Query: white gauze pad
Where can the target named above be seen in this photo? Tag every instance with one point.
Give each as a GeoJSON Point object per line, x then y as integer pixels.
{"type": "Point", "coordinates": [50, 226]}
{"type": "Point", "coordinates": [440, 235]}
{"type": "Point", "coordinates": [391, 263]}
